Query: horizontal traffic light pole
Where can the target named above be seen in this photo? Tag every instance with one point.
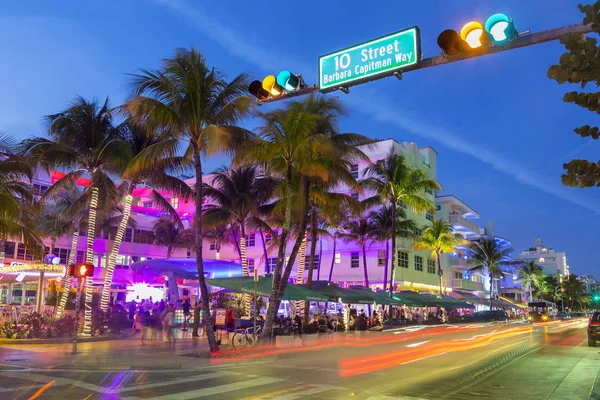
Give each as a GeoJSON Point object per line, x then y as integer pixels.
{"type": "Point", "coordinates": [522, 41]}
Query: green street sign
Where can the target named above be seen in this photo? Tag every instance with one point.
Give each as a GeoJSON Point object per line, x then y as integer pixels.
{"type": "Point", "coordinates": [371, 60]}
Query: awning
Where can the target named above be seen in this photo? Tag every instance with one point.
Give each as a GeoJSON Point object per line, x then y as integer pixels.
{"type": "Point", "coordinates": [245, 284]}
{"type": "Point", "coordinates": [447, 301]}
{"type": "Point", "coordinates": [346, 296]}
{"type": "Point", "coordinates": [382, 298]}
{"type": "Point", "coordinates": [413, 299]}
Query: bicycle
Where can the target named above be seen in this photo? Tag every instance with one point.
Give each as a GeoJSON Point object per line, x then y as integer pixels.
{"type": "Point", "coordinates": [246, 337]}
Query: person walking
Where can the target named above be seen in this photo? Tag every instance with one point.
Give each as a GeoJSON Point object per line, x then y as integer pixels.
{"type": "Point", "coordinates": [168, 325]}
{"type": "Point", "coordinates": [186, 306]}
{"type": "Point", "coordinates": [197, 309]}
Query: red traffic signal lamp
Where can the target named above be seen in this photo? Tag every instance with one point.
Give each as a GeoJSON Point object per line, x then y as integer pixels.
{"type": "Point", "coordinates": [82, 270]}
{"type": "Point", "coordinates": [274, 86]}
{"type": "Point", "coordinates": [498, 29]}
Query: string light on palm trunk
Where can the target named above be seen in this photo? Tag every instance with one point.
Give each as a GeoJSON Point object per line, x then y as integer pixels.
{"type": "Point", "coordinates": [112, 258]}
{"type": "Point", "coordinates": [301, 262]}
{"type": "Point", "coordinates": [67, 286]}
{"type": "Point", "coordinates": [89, 258]}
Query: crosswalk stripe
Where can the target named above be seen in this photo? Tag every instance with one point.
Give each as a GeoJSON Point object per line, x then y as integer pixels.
{"type": "Point", "coordinates": [309, 392]}
{"type": "Point", "coordinates": [176, 381]}
{"type": "Point", "coordinates": [195, 394]}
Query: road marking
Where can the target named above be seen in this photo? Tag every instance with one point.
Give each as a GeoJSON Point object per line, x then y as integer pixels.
{"type": "Point", "coordinates": [211, 391]}
{"type": "Point", "coordinates": [45, 379]}
{"type": "Point", "coordinates": [417, 344]}
{"type": "Point", "coordinates": [309, 392]}
{"type": "Point", "coordinates": [176, 381]}
{"type": "Point", "coordinates": [276, 392]}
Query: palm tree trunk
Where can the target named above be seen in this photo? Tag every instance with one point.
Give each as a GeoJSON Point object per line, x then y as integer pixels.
{"type": "Point", "coordinates": [311, 261]}
{"type": "Point", "coordinates": [2, 253]}
{"type": "Point", "coordinates": [393, 249]}
{"type": "Point", "coordinates": [169, 251]}
{"type": "Point", "coordinates": [385, 265]}
{"type": "Point", "coordinates": [530, 292]}
{"type": "Point", "coordinates": [364, 251]}
{"type": "Point", "coordinates": [89, 258]}
{"type": "Point", "coordinates": [114, 252]}
{"type": "Point", "coordinates": [301, 265]}
{"type": "Point", "coordinates": [287, 223]}
{"type": "Point", "coordinates": [332, 258]}
{"type": "Point", "coordinates": [320, 258]}
{"type": "Point", "coordinates": [265, 252]}
{"type": "Point", "coordinates": [491, 291]}
{"type": "Point", "coordinates": [67, 285]}
{"type": "Point", "coordinates": [440, 272]}
{"type": "Point", "coordinates": [244, 262]}
{"type": "Point", "coordinates": [207, 320]}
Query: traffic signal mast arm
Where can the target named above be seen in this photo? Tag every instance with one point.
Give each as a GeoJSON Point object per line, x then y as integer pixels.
{"type": "Point", "coordinates": [521, 41]}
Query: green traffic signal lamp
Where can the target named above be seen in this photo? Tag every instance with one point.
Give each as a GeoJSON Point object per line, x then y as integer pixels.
{"type": "Point", "coordinates": [287, 80]}
{"type": "Point", "coordinates": [501, 28]}
{"type": "Point", "coordinates": [257, 90]}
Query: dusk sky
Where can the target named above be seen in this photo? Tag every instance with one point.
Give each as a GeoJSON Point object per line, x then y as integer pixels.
{"type": "Point", "coordinates": [498, 123]}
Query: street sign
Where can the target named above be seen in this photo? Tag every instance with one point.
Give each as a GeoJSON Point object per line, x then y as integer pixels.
{"type": "Point", "coordinates": [371, 60]}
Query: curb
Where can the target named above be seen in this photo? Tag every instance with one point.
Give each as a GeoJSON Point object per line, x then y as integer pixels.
{"type": "Point", "coordinates": [64, 340]}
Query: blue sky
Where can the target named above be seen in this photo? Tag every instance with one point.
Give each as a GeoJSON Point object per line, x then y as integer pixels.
{"type": "Point", "coordinates": [498, 123]}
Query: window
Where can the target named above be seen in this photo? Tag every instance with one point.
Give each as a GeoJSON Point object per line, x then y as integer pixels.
{"type": "Point", "coordinates": [438, 208]}
{"type": "Point", "coordinates": [338, 258]}
{"type": "Point", "coordinates": [250, 263]}
{"type": "Point", "coordinates": [9, 249]}
{"type": "Point", "coordinates": [354, 195]}
{"type": "Point", "coordinates": [268, 237]}
{"type": "Point", "coordinates": [354, 260]}
{"type": "Point", "coordinates": [403, 259]}
{"type": "Point", "coordinates": [122, 260]}
{"type": "Point", "coordinates": [137, 236]}
{"type": "Point", "coordinates": [23, 253]}
{"type": "Point", "coordinates": [212, 244]}
{"type": "Point", "coordinates": [135, 258]}
{"type": "Point", "coordinates": [39, 189]}
{"type": "Point", "coordinates": [458, 275]}
{"type": "Point", "coordinates": [417, 231]}
{"type": "Point", "coordinates": [63, 254]}
{"type": "Point", "coordinates": [251, 240]}
{"type": "Point", "coordinates": [431, 266]}
{"type": "Point", "coordinates": [99, 260]}
{"type": "Point", "coordinates": [174, 202]}
{"type": "Point", "coordinates": [147, 204]}
{"type": "Point", "coordinates": [418, 263]}
{"type": "Point", "coordinates": [381, 256]}
{"type": "Point", "coordinates": [271, 261]}
{"type": "Point", "coordinates": [354, 170]}
{"type": "Point", "coordinates": [428, 191]}
{"type": "Point", "coordinates": [307, 262]}
{"type": "Point", "coordinates": [80, 256]}
{"type": "Point", "coordinates": [429, 216]}
{"type": "Point", "coordinates": [127, 237]}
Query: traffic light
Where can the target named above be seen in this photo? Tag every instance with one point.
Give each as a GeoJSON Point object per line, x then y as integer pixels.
{"type": "Point", "coordinates": [80, 270]}
{"type": "Point", "coordinates": [498, 28]}
{"type": "Point", "coordinates": [273, 86]}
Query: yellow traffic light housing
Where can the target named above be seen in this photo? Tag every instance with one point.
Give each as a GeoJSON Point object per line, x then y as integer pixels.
{"type": "Point", "coordinates": [270, 85]}
{"type": "Point", "coordinates": [474, 34]}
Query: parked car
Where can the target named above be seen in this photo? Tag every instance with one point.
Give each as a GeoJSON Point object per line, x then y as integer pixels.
{"type": "Point", "coordinates": [594, 329]}
{"type": "Point", "coordinates": [562, 316]}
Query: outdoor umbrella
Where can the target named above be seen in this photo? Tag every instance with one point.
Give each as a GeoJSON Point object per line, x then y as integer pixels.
{"type": "Point", "coordinates": [264, 286]}
{"type": "Point", "coordinates": [346, 296]}
{"type": "Point", "coordinates": [382, 298]}
{"type": "Point", "coordinates": [447, 301]}
{"type": "Point", "coordinates": [413, 299]}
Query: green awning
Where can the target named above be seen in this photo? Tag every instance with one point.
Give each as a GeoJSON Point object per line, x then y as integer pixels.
{"type": "Point", "coordinates": [263, 288]}
{"type": "Point", "coordinates": [346, 296]}
{"type": "Point", "coordinates": [447, 301]}
{"type": "Point", "coordinates": [413, 299]}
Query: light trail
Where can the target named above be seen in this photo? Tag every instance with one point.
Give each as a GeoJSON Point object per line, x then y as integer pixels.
{"type": "Point", "coordinates": [362, 365]}
{"type": "Point", "coordinates": [42, 390]}
{"type": "Point", "coordinates": [417, 344]}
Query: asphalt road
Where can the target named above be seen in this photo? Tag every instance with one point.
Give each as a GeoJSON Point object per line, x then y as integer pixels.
{"type": "Point", "coordinates": [489, 361]}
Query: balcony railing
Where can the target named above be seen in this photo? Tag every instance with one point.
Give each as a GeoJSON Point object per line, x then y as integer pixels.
{"type": "Point", "coordinates": [467, 285]}
{"type": "Point", "coordinates": [456, 219]}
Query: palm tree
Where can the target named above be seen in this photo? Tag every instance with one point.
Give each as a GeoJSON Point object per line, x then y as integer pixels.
{"type": "Point", "coordinates": [292, 152]}
{"type": "Point", "coordinates": [529, 274]}
{"type": "Point", "coordinates": [16, 213]}
{"type": "Point", "coordinates": [439, 238]}
{"type": "Point", "coordinates": [169, 233]}
{"type": "Point", "coordinates": [84, 141]}
{"type": "Point", "coordinates": [574, 290]}
{"type": "Point", "coordinates": [547, 287]}
{"type": "Point", "coordinates": [490, 256]}
{"type": "Point", "coordinates": [152, 174]}
{"type": "Point", "coordinates": [196, 105]}
{"type": "Point", "coordinates": [395, 182]}
{"type": "Point", "coordinates": [381, 218]}
{"type": "Point", "coordinates": [360, 230]}
{"type": "Point", "coordinates": [239, 198]}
